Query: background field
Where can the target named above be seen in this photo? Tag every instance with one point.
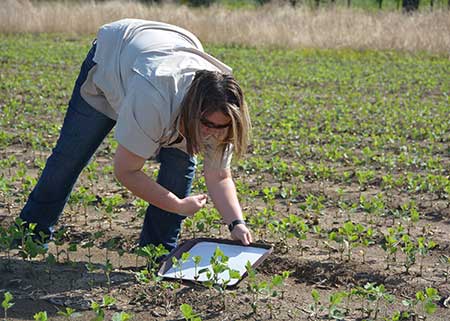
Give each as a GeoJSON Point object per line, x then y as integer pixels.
{"type": "Point", "coordinates": [271, 25]}
{"type": "Point", "coordinates": [339, 136]}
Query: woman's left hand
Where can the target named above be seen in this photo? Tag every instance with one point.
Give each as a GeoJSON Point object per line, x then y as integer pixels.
{"type": "Point", "coordinates": [242, 233]}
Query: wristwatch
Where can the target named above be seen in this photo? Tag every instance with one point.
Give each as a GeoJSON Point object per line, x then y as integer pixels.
{"type": "Point", "coordinates": [234, 223]}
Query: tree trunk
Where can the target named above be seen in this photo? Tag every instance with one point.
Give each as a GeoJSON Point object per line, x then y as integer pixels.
{"type": "Point", "coordinates": [410, 6]}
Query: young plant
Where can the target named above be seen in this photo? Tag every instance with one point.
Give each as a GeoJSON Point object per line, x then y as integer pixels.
{"type": "Point", "coordinates": [197, 259]}
{"type": "Point", "coordinates": [88, 244]}
{"type": "Point", "coordinates": [99, 308]}
{"type": "Point", "coordinates": [410, 249]}
{"type": "Point", "coordinates": [58, 240]}
{"type": "Point", "coordinates": [316, 307]}
{"type": "Point", "coordinates": [107, 269]}
{"type": "Point", "coordinates": [423, 303]}
{"type": "Point", "coordinates": [334, 300]}
{"type": "Point", "coordinates": [121, 316]}
{"type": "Point", "coordinates": [178, 264]}
{"type": "Point", "coordinates": [68, 313]}
{"type": "Point", "coordinates": [188, 313]}
{"type": "Point", "coordinates": [391, 244]}
{"type": "Point", "coordinates": [51, 261]}
{"type": "Point", "coordinates": [41, 316]}
{"type": "Point", "coordinates": [263, 289]}
{"type": "Point", "coordinates": [354, 235]}
{"type": "Point", "coordinates": [219, 267]}
{"type": "Point", "coordinates": [111, 206]}
{"type": "Point", "coordinates": [424, 247]}
{"type": "Point", "coordinates": [373, 294]}
{"type": "Point", "coordinates": [6, 303]}
{"type": "Point", "coordinates": [7, 243]}
{"type": "Point", "coordinates": [152, 255]}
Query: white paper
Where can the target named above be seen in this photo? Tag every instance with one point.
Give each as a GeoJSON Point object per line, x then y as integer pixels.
{"type": "Point", "coordinates": [238, 257]}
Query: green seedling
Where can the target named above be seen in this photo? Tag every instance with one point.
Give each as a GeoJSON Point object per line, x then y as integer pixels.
{"type": "Point", "coordinates": [364, 178]}
{"type": "Point", "coordinates": [334, 300]}
{"type": "Point", "coordinates": [204, 221]}
{"type": "Point", "coordinates": [354, 235]}
{"type": "Point", "coordinates": [7, 243]}
{"type": "Point", "coordinates": [41, 316]}
{"type": "Point", "coordinates": [410, 214]}
{"type": "Point", "coordinates": [290, 227]}
{"type": "Point", "coordinates": [111, 205]}
{"type": "Point", "coordinates": [391, 244]}
{"type": "Point", "coordinates": [374, 206]}
{"type": "Point", "coordinates": [88, 244]}
{"type": "Point", "coordinates": [269, 194]}
{"type": "Point", "coordinates": [51, 261]}
{"type": "Point", "coordinates": [107, 269]}
{"type": "Point", "coordinates": [423, 304]}
{"type": "Point", "coordinates": [178, 264]}
{"type": "Point", "coordinates": [260, 221]}
{"type": "Point", "coordinates": [99, 308]}
{"type": "Point", "coordinates": [71, 248]}
{"type": "Point", "coordinates": [410, 250]}
{"type": "Point", "coordinates": [121, 316]}
{"type": "Point", "coordinates": [188, 313]}
{"type": "Point", "coordinates": [141, 207]}
{"type": "Point", "coordinates": [151, 253]}
{"type": "Point", "coordinates": [110, 245]}
{"type": "Point", "coordinates": [143, 276]}
{"type": "Point", "coordinates": [398, 316]}
{"type": "Point", "coordinates": [262, 289]}
{"type": "Point", "coordinates": [339, 239]}
{"type": "Point", "coordinates": [31, 246]}
{"type": "Point", "coordinates": [374, 295]}
{"type": "Point", "coordinates": [316, 307]}
{"type": "Point", "coordinates": [197, 259]}
{"type": "Point", "coordinates": [219, 266]}
{"type": "Point", "coordinates": [58, 240]}
{"type": "Point", "coordinates": [6, 303]}
{"type": "Point", "coordinates": [424, 247]}
{"type": "Point", "coordinates": [69, 313]}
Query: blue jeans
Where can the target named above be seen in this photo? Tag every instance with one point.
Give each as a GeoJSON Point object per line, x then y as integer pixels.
{"type": "Point", "coordinates": [83, 130]}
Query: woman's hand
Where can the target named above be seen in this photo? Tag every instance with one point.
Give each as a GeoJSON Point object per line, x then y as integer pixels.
{"type": "Point", "coordinates": [189, 205]}
{"type": "Point", "coordinates": [242, 233]}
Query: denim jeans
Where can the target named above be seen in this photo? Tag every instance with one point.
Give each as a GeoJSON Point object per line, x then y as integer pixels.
{"type": "Point", "coordinates": [83, 130]}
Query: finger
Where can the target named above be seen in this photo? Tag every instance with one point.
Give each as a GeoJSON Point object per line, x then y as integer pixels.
{"type": "Point", "coordinates": [202, 202]}
{"type": "Point", "coordinates": [244, 239]}
{"type": "Point", "coordinates": [249, 237]}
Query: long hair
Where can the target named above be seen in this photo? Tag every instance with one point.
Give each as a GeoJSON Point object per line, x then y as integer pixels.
{"type": "Point", "coordinates": [210, 92]}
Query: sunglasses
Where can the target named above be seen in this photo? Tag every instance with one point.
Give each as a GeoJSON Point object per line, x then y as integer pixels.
{"type": "Point", "coordinates": [207, 123]}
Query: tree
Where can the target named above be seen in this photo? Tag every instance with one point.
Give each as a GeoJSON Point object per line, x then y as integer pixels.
{"type": "Point", "coordinates": [410, 6]}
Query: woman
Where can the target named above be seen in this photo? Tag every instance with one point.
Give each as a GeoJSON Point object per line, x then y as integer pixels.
{"type": "Point", "coordinates": [169, 100]}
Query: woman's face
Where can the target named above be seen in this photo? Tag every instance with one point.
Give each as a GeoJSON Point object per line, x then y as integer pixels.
{"type": "Point", "coordinates": [214, 124]}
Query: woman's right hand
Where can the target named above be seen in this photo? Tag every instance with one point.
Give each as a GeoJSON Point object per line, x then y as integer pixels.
{"type": "Point", "coordinates": [189, 205]}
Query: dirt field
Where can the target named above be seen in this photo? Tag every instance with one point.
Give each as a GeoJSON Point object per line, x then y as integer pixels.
{"type": "Point", "coordinates": [339, 137]}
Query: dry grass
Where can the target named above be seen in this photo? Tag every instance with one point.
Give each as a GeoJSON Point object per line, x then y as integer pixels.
{"type": "Point", "coordinates": [267, 26]}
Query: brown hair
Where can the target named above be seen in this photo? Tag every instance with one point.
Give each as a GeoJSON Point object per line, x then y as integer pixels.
{"type": "Point", "coordinates": [210, 92]}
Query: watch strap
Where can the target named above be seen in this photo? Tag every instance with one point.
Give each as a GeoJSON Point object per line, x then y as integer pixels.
{"type": "Point", "coordinates": [234, 223]}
